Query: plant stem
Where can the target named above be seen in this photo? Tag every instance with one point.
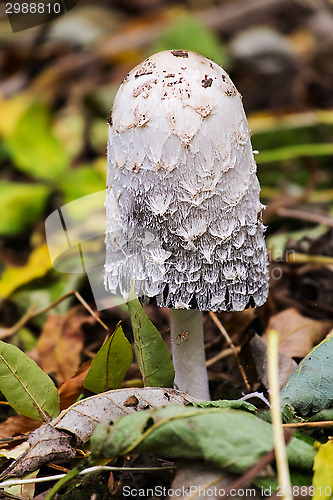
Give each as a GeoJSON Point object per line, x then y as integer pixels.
{"type": "Point", "coordinates": [274, 396]}
{"type": "Point", "coordinates": [188, 354]}
{"type": "Point", "coordinates": [89, 470]}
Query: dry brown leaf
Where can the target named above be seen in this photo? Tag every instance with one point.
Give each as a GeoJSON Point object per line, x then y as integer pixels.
{"type": "Point", "coordinates": [198, 480]}
{"type": "Point", "coordinates": [287, 365]}
{"type": "Point", "coordinates": [61, 342]}
{"type": "Point", "coordinates": [14, 452]}
{"type": "Point", "coordinates": [71, 389]}
{"type": "Point", "coordinates": [298, 334]}
{"type": "Point", "coordinates": [239, 321]}
{"type": "Point", "coordinates": [54, 441]}
{"type": "Point", "coordinates": [17, 425]}
{"type": "Point", "coordinates": [22, 491]}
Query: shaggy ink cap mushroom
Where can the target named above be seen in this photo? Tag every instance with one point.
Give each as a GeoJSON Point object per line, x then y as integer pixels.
{"type": "Point", "coordinates": [183, 208]}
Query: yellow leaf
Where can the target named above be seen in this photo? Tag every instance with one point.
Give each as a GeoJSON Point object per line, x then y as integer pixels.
{"type": "Point", "coordinates": [11, 111]}
{"type": "Point", "coordinates": [323, 477]}
{"type": "Point", "coordinates": [23, 491]}
{"type": "Point", "coordinates": [37, 266]}
{"type": "Point", "coordinates": [14, 452]}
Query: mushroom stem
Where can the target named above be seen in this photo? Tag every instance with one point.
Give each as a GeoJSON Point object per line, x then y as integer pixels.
{"type": "Point", "coordinates": [188, 355]}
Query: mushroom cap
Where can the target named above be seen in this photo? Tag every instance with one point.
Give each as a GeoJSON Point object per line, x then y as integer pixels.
{"type": "Point", "coordinates": [183, 208]}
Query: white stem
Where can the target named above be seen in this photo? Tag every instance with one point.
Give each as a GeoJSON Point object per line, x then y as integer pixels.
{"type": "Point", "coordinates": [89, 470]}
{"type": "Point", "coordinates": [188, 355]}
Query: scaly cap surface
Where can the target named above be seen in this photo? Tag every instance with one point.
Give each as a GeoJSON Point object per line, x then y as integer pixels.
{"type": "Point", "coordinates": [183, 208]}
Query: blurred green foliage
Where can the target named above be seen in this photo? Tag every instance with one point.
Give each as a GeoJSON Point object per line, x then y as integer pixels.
{"type": "Point", "coordinates": [20, 205]}
{"type": "Point", "coordinates": [79, 182]}
{"type": "Point", "coordinates": [187, 32]}
{"type": "Point", "coordinates": [34, 148]}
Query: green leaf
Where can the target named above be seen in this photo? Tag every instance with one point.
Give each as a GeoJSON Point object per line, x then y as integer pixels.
{"type": "Point", "coordinates": [187, 32]}
{"type": "Point", "coordinates": [323, 467]}
{"type": "Point", "coordinates": [25, 386]}
{"type": "Point", "coordinates": [270, 484]}
{"type": "Point", "coordinates": [301, 451]}
{"type": "Point", "coordinates": [151, 352]}
{"type": "Point", "coordinates": [27, 339]}
{"type": "Point", "coordinates": [81, 182]}
{"type": "Point", "coordinates": [33, 147]}
{"type": "Point", "coordinates": [224, 403]}
{"type": "Point", "coordinates": [110, 364]}
{"type": "Point", "coordinates": [310, 387]}
{"type": "Point", "coordinates": [322, 416]}
{"type": "Point", "coordinates": [230, 439]}
{"type": "Point", "coordinates": [20, 205]}
{"type": "Point", "coordinates": [295, 151]}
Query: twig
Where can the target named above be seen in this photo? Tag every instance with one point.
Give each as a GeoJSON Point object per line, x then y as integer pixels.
{"type": "Point", "coordinates": [58, 467]}
{"type": "Point", "coordinates": [87, 306]}
{"type": "Point", "coordinates": [221, 355]}
{"type": "Point", "coordinates": [222, 329]}
{"type": "Point", "coordinates": [327, 423]}
{"type": "Point", "coordinates": [218, 377]}
{"type": "Point", "coordinates": [21, 437]}
{"type": "Point", "coordinates": [274, 396]}
{"type": "Point", "coordinates": [300, 258]}
{"type": "Point", "coordinates": [232, 346]}
{"type": "Point", "coordinates": [7, 332]}
{"type": "Point", "coordinates": [295, 213]}
{"type": "Point", "coordinates": [32, 313]}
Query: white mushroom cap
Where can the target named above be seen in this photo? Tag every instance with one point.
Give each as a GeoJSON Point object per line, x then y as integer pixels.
{"type": "Point", "coordinates": [183, 208]}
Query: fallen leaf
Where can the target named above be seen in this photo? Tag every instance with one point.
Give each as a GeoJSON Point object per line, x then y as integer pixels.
{"type": "Point", "coordinates": [38, 265]}
{"type": "Point", "coordinates": [17, 425]}
{"type": "Point", "coordinates": [23, 491]}
{"type": "Point", "coordinates": [323, 467]}
{"type": "Point", "coordinates": [61, 342]}
{"type": "Point", "coordinates": [14, 452]}
{"type": "Point", "coordinates": [54, 441]}
{"type": "Point", "coordinates": [310, 387]}
{"type": "Point", "coordinates": [297, 333]}
{"type": "Point", "coordinates": [231, 439]}
{"type": "Point", "coordinates": [72, 388]}
{"type": "Point", "coordinates": [287, 365]}
{"type": "Point", "coordinates": [197, 480]}
{"type": "Point", "coordinates": [48, 341]}
{"type": "Point", "coordinates": [238, 322]}
{"type": "Point", "coordinates": [25, 386]}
